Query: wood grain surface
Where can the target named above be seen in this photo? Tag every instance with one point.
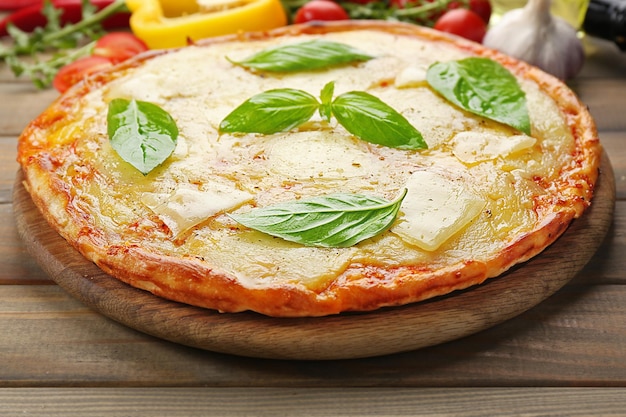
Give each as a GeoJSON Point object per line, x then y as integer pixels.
{"type": "Point", "coordinates": [344, 336]}
{"type": "Point", "coordinates": [172, 402]}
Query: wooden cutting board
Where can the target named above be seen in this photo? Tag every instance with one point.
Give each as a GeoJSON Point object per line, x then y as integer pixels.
{"type": "Point", "coordinates": [343, 336]}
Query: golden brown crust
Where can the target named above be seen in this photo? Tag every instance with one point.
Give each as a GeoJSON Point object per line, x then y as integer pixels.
{"type": "Point", "coordinates": [359, 287]}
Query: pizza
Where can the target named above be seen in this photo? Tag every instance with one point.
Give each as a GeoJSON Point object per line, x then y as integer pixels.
{"type": "Point", "coordinates": [313, 170]}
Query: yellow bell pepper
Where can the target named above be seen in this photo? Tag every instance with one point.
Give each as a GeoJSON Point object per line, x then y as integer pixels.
{"type": "Point", "coordinates": [172, 23]}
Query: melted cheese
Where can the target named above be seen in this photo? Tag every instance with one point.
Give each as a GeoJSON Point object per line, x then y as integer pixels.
{"type": "Point", "coordinates": [472, 147]}
{"type": "Point", "coordinates": [185, 208]}
{"type": "Point", "coordinates": [434, 209]}
{"type": "Point", "coordinates": [440, 223]}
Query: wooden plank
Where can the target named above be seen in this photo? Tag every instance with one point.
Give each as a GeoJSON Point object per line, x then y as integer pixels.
{"type": "Point", "coordinates": [19, 104]}
{"type": "Point", "coordinates": [605, 100]}
{"type": "Point", "coordinates": [603, 60]}
{"type": "Point", "coordinates": [575, 338]}
{"type": "Point", "coordinates": [613, 143]}
{"type": "Point", "coordinates": [608, 264]}
{"type": "Point", "coordinates": [343, 402]}
{"type": "Point", "coordinates": [8, 167]}
{"type": "Point", "coordinates": [17, 266]}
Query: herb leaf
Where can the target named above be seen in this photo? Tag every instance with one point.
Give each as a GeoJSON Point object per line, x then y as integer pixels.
{"type": "Point", "coordinates": [304, 56]}
{"type": "Point", "coordinates": [270, 112]}
{"type": "Point", "coordinates": [338, 220]}
{"type": "Point", "coordinates": [483, 87]}
{"type": "Point", "coordinates": [370, 119]}
{"type": "Point", "coordinates": [142, 133]}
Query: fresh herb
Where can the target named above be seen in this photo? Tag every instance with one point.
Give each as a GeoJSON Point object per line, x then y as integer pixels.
{"type": "Point", "coordinates": [142, 133]}
{"type": "Point", "coordinates": [42, 73]}
{"type": "Point", "coordinates": [272, 111]}
{"type": "Point", "coordinates": [360, 113]}
{"type": "Point", "coordinates": [304, 56]}
{"type": "Point", "coordinates": [370, 119]}
{"type": "Point", "coordinates": [483, 87]}
{"type": "Point", "coordinates": [338, 220]}
{"type": "Point", "coordinates": [54, 38]}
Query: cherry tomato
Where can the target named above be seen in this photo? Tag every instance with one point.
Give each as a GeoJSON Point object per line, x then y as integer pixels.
{"type": "Point", "coordinates": [482, 8]}
{"type": "Point", "coordinates": [320, 10]}
{"type": "Point", "coordinates": [77, 70]}
{"type": "Point", "coordinates": [462, 22]}
{"type": "Point", "coordinates": [119, 46]}
{"type": "Point", "coordinates": [401, 4]}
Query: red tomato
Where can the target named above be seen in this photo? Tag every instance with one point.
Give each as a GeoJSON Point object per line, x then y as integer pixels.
{"type": "Point", "coordinates": [401, 4]}
{"type": "Point", "coordinates": [77, 70]}
{"type": "Point", "coordinates": [119, 46]}
{"type": "Point", "coordinates": [482, 8]}
{"type": "Point", "coordinates": [462, 22]}
{"type": "Point", "coordinates": [320, 10]}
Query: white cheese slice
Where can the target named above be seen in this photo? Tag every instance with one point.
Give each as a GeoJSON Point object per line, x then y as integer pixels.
{"type": "Point", "coordinates": [472, 147]}
{"type": "Point", "coordinates": [186, 207]}
{"type": "Point", "coordinates": [434, 209]}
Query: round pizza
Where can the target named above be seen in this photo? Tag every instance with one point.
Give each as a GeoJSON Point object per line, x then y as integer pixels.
{"type": "Point", "coordinates": [314, 169]}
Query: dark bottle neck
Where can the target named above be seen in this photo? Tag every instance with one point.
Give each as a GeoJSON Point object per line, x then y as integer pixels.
{"type": "Point", "coordinates": [607, 19]}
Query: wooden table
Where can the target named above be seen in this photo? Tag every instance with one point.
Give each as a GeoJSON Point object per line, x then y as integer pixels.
{"type": "Point", "coordinates": [566, 356]}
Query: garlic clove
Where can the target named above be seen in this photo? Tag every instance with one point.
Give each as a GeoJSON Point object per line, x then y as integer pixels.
{"type": "Point", "coordinates": [534, 35]}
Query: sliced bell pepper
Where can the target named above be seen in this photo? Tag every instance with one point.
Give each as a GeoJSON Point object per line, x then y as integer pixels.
{"type": "Point", "coordinates": [174, 23]}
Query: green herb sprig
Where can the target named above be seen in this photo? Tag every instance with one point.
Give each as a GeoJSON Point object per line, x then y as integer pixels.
{"type": "Point", "coordinates": [360, 113]}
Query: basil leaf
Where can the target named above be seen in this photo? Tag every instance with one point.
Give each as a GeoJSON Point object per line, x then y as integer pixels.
{"type": "Point", "coordinates": [339, 220]}
{"type": "Point", "coordinates": [483, 87]}
{"type": "Point", "coordinates": [370, 119]}
{"type": "Point", "coordinates": [270, 112]}
{"type": "Point", "coordinates": [310, 55]}
{"type": "Point", "coordinates": [142, 133]}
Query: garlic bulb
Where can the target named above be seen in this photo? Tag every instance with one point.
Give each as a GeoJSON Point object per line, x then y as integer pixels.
{"type": "Point", "coordinates": [534, 35]}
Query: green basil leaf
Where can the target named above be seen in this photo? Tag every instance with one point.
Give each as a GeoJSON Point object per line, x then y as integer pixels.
{"type": "Point", "coordinates": [338, 220]}
{"type": "Point", "coordinates": [142, 133]}
{"type": "Point", "coordinates": [270, 112]}
{"type": "Point", "coordinates": [310, 55]}
{"type": "Point", "coordinates": [370, 119]}
{"type": "Point", "coordinates": [483, 87]}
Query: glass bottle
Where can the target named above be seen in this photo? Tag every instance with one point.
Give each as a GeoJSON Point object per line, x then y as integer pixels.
{"type": "Point", "coordinates": [607, 19]}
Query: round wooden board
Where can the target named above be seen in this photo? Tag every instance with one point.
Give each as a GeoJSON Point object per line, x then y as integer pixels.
{"type": "Point", "coordinates": [343, 336]}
